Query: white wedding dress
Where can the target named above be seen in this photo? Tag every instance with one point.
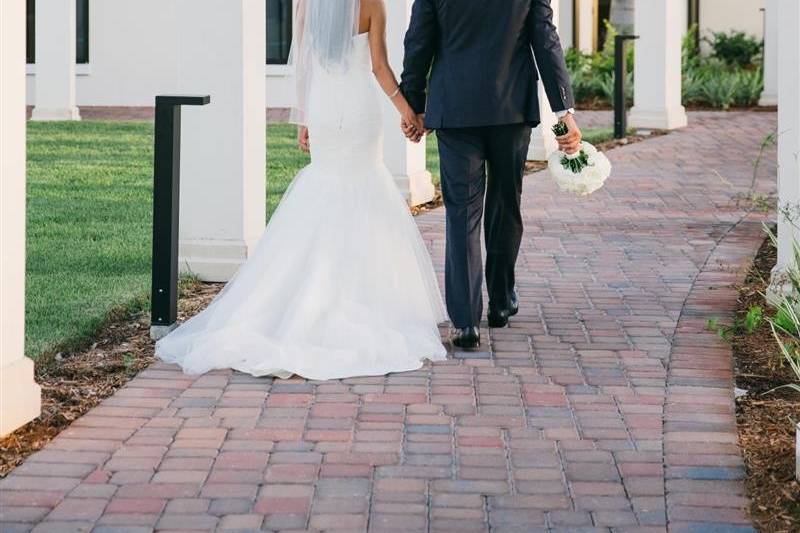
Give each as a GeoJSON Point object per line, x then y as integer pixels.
{"type": "Point", "coordinates": [341, 283]}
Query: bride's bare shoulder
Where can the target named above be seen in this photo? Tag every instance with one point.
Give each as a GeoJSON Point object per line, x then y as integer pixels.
{"type": "Point", "coordinates": [373, 7]}
{"type": "Point", "coordinates": [372, 11]}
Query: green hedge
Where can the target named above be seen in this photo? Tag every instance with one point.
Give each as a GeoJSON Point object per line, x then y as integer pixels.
{"type": "Point", "coordinates": [731, 75]}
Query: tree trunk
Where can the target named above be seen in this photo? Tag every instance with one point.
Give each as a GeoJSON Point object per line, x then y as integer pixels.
{"type": "Point", "coordinates": [621, 16]}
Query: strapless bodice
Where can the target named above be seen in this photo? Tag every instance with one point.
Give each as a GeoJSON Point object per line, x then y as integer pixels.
{"type": "Point", "coordinates": [344, 118]}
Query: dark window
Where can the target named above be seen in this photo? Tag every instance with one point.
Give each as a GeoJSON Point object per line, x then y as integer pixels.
{"type": "Point", "coordinates": [81, 27]}
{"type": "Point", "coordinates": [82, 31]}
{"type": "Point", "coordinates": [604, 13]}
{"type": "Point", "coordinates": [694, 12]}
{"type": "Point", "coordinates": [30, 26]}
{"type": "Point", "coordinates": [279, 31]}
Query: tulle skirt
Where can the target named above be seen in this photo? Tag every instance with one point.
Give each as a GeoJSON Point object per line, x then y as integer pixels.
{"type": "Point", "coordinates": [339, 285]}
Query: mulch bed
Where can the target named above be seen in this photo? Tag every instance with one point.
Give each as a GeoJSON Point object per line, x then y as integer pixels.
{"type": "Point", "coordinates": [766, 419]}
{"type": "Point", "coordinates": [74, 382]}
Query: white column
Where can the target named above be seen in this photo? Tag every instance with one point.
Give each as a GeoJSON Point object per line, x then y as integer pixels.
{"type": "Point", "coordinates": [566, 27]}
{"type": "Point", "coordinates": [405, 160]}
{"type": "Point", "coordinates": [543, 140]}
{"type": "Point", "coordinates": [223, 184]}
{"type": "Point", "coordinates": [55, 60]}
{"type": "Point", "coordinates": [788, 138]}
{"type": "Point", "coordinates": [19, 394]}
{"type": "Point", "coordinates": [586, 13]}
{"type": "Point", "coordinates": [657, 91]}
{"type": "Point", "coordinates": [769, 97]}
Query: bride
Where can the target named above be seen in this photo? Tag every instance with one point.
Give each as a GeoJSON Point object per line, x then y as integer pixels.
{"type": "Point", "coordinates": [340, 283]}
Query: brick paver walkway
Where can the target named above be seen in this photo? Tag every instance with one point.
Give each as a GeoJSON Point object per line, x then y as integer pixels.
{"type": "Point", "coordinates": [606, 406]}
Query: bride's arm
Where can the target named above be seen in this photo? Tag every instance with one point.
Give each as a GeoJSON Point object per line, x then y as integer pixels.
{"type": "Point", "coordinates": [300, 25]}
{"type": "Point", "coordinates": [380, 63]}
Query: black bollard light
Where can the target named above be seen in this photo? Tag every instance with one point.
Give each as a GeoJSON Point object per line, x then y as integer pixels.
{"type": "Point", "coordinates": [166, 187]}
{"type": "Point", "coordinates": [620, 76]}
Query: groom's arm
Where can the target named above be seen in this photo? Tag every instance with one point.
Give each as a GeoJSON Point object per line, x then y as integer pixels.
{"type": "Point", "coordinates": [549, 56]}
{"type": "Point", "coordinates": [420, 47]}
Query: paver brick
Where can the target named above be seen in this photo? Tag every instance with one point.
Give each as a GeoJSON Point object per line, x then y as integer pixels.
{"type": "Point", "coordinates": [605, 405]}
{"type": "Point", "coordinates": [85, 509]}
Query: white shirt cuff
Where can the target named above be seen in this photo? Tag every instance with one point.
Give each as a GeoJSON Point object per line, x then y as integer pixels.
{"type": "Point", "coordinates": [564, 113]}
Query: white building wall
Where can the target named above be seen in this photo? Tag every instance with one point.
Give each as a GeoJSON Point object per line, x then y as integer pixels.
{"type": "Point", "coordinates": [133, 54]}
{"type": "Point", "coordinates": [133, 49]}
{"type": "Point", "coordinates": [726, 15]}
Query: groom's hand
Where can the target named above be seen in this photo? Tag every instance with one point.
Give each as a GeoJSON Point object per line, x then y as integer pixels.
{"type": "Point", "coordinates": [413, 127]}
{"type": "Point", "coordinates": [571, 142]}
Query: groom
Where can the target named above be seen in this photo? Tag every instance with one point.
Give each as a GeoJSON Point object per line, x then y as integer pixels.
{"type": "Point", "coordinates": [482, 100]}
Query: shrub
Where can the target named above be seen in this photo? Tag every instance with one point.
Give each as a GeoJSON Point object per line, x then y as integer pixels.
{"type": "Point", "coordinates": [749, 87]}
{"type": "Point", "coordinates": [711, 84]}
{"type": "Point", "coordinates": [593, 74]}
{"type": "Point", "coordinates": [753, 319]}
{"type": "Point", "coordinates": [786, 322]}
{"type": "Point", "coordinates": [735, 48]}
{"type": "Point", "coordinates": [715, 84]}
{"type": "Point", "coordinates": [717, 81]}
{"type": "Point", "coordinates": [690, 51]}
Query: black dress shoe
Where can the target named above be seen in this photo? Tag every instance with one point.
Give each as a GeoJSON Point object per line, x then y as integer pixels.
{"type": "Point", "coordinates": [514, 302]}
{"type": "Point", "coordinates": [498, 318]}
{"type": "Point", "coordinates": [466, 337]}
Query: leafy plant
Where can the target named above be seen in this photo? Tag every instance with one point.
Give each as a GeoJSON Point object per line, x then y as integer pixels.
{"type": "Point", "coordinates": [690, 49]}
{"type": "Point", "coordinates": [718, 90]}
{"type": "Point", "coordinates": [784, 320]}
{"type": "Point", "coordinates": [753, 319]}
{"type": "Point", "coordinates": [715, 84]}
{"type": "Point", "coordinates": [749, 86]}
{"type": "Point", "coordinates": [722, 330]}
{"type": "Point", "coordinates": [767, 142]}
{"type": "Point", "coordinates": [593, 74]}
{"type": "Point", "coordinates": [724, 80]}
{"type": "Point", "coordinates": [735, 48]}
{"type": "Point", "coordinates": [128, 359]}
{"type": "Point", "coordinates": [791, 353]}
{"type": "Point", "coordinates": [785, 324]}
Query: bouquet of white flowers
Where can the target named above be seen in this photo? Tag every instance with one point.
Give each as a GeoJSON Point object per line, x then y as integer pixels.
{"type": "Point", "coordinates": [581, 173]}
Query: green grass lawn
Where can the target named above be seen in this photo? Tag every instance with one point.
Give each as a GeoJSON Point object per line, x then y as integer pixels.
{"type": "Point", "coordinates": [89, 212]}
{"type": "Point", "coordinates": [89, 222]}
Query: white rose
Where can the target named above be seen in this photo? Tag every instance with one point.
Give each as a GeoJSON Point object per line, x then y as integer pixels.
{"type": "Point", "coordinates": [588, 180]}
{"type": "Point", "coordinates": [593, 175]}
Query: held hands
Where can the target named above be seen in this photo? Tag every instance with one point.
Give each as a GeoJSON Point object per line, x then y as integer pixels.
{"type": "Point", "coordinates": [413, 126]}
{"type": "Point", "coordinates": [571, 141]}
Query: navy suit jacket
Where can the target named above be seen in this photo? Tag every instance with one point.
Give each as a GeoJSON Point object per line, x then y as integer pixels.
{"type": "Point", "coordinates": [470, 63]}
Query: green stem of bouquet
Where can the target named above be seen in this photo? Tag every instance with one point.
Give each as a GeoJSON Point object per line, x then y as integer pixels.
{"type": "Point", "coordinates": [576, 164]}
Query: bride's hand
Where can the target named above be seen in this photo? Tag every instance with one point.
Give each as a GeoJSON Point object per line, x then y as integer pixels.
{"type": "Point", "coordinates": [302, 138]}
{"type": "Point", "coordinates": [413, 125]}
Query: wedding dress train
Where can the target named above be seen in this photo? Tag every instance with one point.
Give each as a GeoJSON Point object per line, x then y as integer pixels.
{"type": "Point", "coordinates": [341, 283]}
